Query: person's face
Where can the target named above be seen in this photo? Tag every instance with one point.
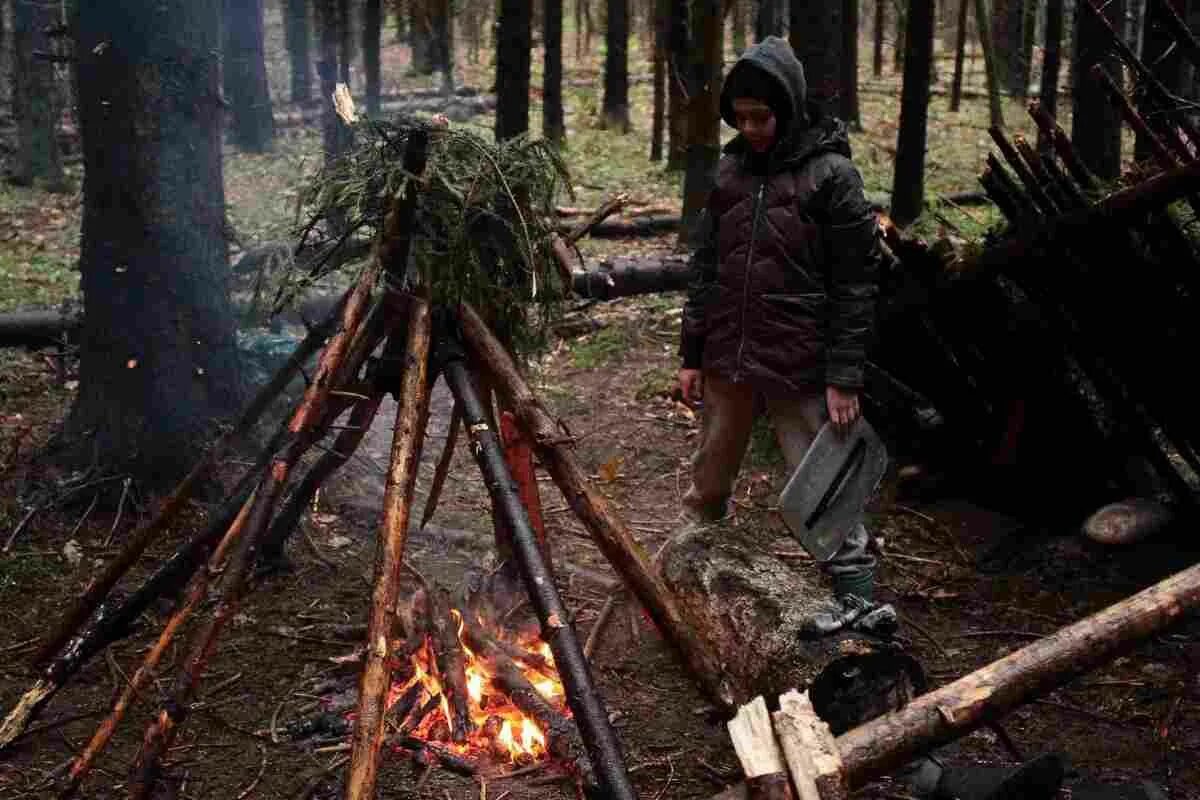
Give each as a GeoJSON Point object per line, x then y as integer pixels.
{"type": "Point", "coordinates": [756, 122]}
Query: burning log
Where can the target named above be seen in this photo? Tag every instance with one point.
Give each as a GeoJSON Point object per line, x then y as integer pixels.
{"type": "Point", "coordinates": [606, 528]}
{"type": "Point", "coordinates": [432, 755]}
{"type": "Point", "coordinates": [448, 654]}
{"type": "Point", "coordinates": [557, 630]}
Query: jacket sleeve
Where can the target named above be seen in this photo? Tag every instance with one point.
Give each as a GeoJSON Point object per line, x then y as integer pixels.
{"type": "Point", "coordinates": [854, 259]}
{"type": "Point", "coordinates": [704, 270]}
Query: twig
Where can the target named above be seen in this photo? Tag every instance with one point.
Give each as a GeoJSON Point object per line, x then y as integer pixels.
{"type": "Point", "coordinates": [606, 612]}
{"type": "Point", "coordinates": [985, 634]}
{"type": "Point", "coordinates": [443, 464]}
{"type": "Point", "coordinates": [921, 629]}
{"type": "Point", "coordinates": [1084, 713]}
{"type": "Point", "coordinates": [120, 510]}
{"type": "Point", "coordinates": [214, 691]}
{"type": "Point", "coordinates": [86, 514]}
{"type": "Point", "coordinates": [667, 785]}
{"type": "Point", "coordinates": [242, 795]}
{"type": "Point", "coordinates": [12, 537]}
{"type": "Point", "coordinates": [19, 645]}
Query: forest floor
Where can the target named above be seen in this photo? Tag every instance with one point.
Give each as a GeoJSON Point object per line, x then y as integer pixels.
{"type": "Point", "coordinates": [971, 584]}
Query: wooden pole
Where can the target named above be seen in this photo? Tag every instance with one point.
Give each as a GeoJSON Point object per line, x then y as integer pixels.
{"type": "Point", "coordinates": [607, 529]}
{"type": "Point", "coordinates": [948, 713]}
{"type": "Point", "coordinates": [398, 497]}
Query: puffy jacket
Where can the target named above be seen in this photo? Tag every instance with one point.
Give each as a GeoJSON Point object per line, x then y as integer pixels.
{"type": "Point", "coordinates": [787, 257]}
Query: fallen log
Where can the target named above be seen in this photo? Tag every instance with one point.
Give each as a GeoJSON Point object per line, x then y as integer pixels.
{"type": "Point", "coordinates": [636, 211]}
{"type": "Point", "coordinates": [624, 277]}
{"type": "Point", "coordinates": [606, 528]}
{"type": "Point", "coordinates": [458, 109]}
{"type": "Point", "coordinates": [758, 614]}
{"type": "Point", "coordinates": [37, 328]}
{"type": "Point", "coordinates": [633, 227]}
{"type": "Point", "coordinates": [950, 712]}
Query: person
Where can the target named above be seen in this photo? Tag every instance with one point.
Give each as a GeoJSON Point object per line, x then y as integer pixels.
{"type": "Point", "coordinates": [783, 305]}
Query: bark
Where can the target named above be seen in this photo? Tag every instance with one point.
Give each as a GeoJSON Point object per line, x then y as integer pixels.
{"type": "Point", "coordinates": [908, 189]}
{"type": "Point", "coordinates": [345, 28]}
{"type": "Point", "coordinates": [983, 24]}
{"type": "Point", "coordinates": [623, 277]}
{"type": "Point", "coordinates": [554, 127]}
{"type": "Point", "coordinates": [952, 711]}
{"type": "Point", "coordinates": [36, 97]}
{"type": "Point", "coordinates": [659, 114]}
{"type": "Point", "coordinates": [451, 664]}
{"type": "Point", "coordinates": [1051, 65]}
{"type": "Point", "coordinates": [298, 38]}
{"type": "Point", "coordinates": [398, 496]}
{"type": "Point", "coordinates": [246, 76]}
{"type": "Point", "coordinates": [1095, 123]}
{"type": "Point", "coordinates": [606, 528]}
{"type": "Point", "coordinates": [815, 33]}
{"type": "Point", "coordinates": [514, 43]}
{"type": "Point", "coordinates": [677, 79]}
{"type": "Point", "coordinates": [704, 112]}
{"type": "Point", "coordinates": [616, 67]}
{"type": "Point", "coordinates": [37, 329]}
{"type": "Point", "coordinates": [372, 35]}
{"type": "Point", "coordinates": [158, 355]}
{"type": "Point", "coordinates": [769, 20]}
{"type": "Point", "coordinates": [753, 608]}
{"type": "Point", "coordinates": [424, 50]}
{"type": "Point", "coordinates": [327, 71]}
{"type": "Point", "coordinates": [960, 48]}
{"type": "Point", "coordinates": [443, 41]}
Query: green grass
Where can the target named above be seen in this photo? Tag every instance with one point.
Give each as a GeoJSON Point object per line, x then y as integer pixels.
{"type": "Point", "coordinates": [602, 348]}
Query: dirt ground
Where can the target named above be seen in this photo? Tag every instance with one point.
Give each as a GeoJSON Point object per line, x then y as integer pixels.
{"type": "Point", "coordinates": [971, 584]}
{"type": "Point", "coordinates": [1135, 719]}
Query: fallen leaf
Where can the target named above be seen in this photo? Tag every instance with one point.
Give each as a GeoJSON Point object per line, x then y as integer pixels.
{"type": "Point", "coordinates": [608, 470]}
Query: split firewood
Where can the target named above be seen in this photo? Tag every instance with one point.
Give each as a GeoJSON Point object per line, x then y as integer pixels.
{"type": "Point", "coordinates": [451, 664]}
{"type": "Point", "coordinates": [754, 742]}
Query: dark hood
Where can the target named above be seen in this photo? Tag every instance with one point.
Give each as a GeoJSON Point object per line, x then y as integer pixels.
{"type": "Point", "coordinates": [807, 131]}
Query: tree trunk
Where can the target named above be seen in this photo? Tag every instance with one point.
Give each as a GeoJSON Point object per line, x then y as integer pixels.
{"type": "Point", "coordinates": [1096, 123]}
{"type": "Point", "coordinates": [1162, 56]}
{"type": "Point", "coordinates": [983, 23]}
{"type": "Point", "coordinates": [848, 107]}
{"type": "Point", "coordinates": [704, 114]}
{"type": "Point", "coordinates": [514, 43]}
{"type": "Point", "coordinates": [755, 610]}
{"type": "Point", "coordinates": [345, 27]}
{"type": "Point", "coordinates": [1051, 61]}
{"type": "Point", "coordinates": [769, 19]}
{"type": "Point", "coordinates": [372, 34]}
{"type": "Point", "coordinates": [421, 37]}
{"type": "Point", "coordinates": [678, 59]}
{"type": "Point", "coordinates": [960, 50]}
{"type": "Point", "coordinates": [898, 45]}
{"type": "Point", "coordinates": [815, 34]}
{"type": "Point", "coordinates": [616, 66]}
{"type": "Point", "coordinates": [298, 39]}
{"type": "Point", "coordinates": [158, 356]}
{"type": "Point", "coordinates": [1008, 18]}
{"type": "Point", "coordinates": [554, 127]}
{"type": "Point", "coordinates": [908, 189]}
{"type": "Point", "coordinates": [659, 114]}
{"type": "Point", "coordinates": [443, 41]}
{"type": "Point", "coordinates": [738, 21]}
{"type": "Point", "coordinates": [35, 97]}
{"type": "Point", "coordinates": [880, 26]}
{"type": "Point", "coordinates": [327, 71]}
{"type": "Point", "coordinates": [246, 76]}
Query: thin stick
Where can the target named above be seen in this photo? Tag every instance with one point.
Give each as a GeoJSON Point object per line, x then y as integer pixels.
{"type": "Point", "coordinates": [398, 493]}
{"type": "Point", "coordinates": [443, 465]}
{"type": "Point", "coordinates": [598, 626]}
{"type": "Point", "coordinates": [120, 510]}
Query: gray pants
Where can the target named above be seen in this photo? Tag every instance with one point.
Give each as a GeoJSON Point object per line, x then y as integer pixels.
{"type": "Point", "coordinates": [727, 422]}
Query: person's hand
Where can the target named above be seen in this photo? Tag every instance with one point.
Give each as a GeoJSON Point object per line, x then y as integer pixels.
{"type": "Point", "coordinates": [843, 406]}
{"type": "Point", "coordinates": [691, 385]}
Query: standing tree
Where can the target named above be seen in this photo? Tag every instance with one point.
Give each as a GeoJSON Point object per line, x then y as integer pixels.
{"type": "Point", "coordinates": [908, 186]}
{"type": "Point", "coordinates": [1096, 122]}
{"type": "Point", "coordinates": [443, 44]}
{"type": "Point", "coordinates": [372, 37]}
{"type": "Point", "coordinates": [158, 357]}
{"type": "Point", "coordinates": [769, 21]}
{"type": "Point", "coordinates": [514, 42]}
{"type": "Point", "coordinates": [616, 66]}
{"type": "Point", "coordinates": [704, 112]}
{"type": "Point", "coordinates": [658, 122]}
{"type": "Point", "coordinates": [35, 97]}
{"type": "Point", "coordinates": [848, 105]}
{"type": "Point", "coordinates": [553, 126]}
{"type": "Point", "coordinates": [815, 34]}
{"type": "Point", "coordinates": [298, 39]}
{"type": "Point", "coordinates": [421, 37]}
{"type": "Point", "coordinates": [345, 27]}
{"type": "Point", "coordinates": [1051, 61]}
{"type": "Point", "coordinates": [960, 51]}
{"type": "Point", "coordinates": [877, 35]}
{"type": "Point", "coordinates": [678, 58]}
{"type": "Point", "coordinates": [246, 76]}
{"type": "Point", "coordinates": [990, 67]}
{"type": "Point", "coordinates": [1162, 55]}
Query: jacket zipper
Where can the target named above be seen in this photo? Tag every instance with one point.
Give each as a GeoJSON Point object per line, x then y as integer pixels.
{"type": "Point", "coordinates": [737, 372]}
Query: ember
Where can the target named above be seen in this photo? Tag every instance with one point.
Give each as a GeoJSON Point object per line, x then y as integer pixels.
{"type": "Point", "coordinates": [505, 721]}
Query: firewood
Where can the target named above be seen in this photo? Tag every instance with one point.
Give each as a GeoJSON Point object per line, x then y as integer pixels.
{"type": "Point", "coordinates": [196, 593]}
{"type": "Point", "coordinates": [99, 586]}
{"type": "Point", "coordinates": [557, 630]}
{"type": "Point", "coordinates": [406, 702]}
{"type": "Point", "coordinates": [443, 465]}
{"type": "Point", "coordinates": [451, 664]}
{"type": "Point", "coordinates": [606, 528]}
{"type": "Point", "coordinates": [761, 759]}
{"type": "Point", "coordinates": [519, 455]}
{"type": "Point", "coordinates": [398, 495]}
{"type": "Point", "coordinates": [431, 704]}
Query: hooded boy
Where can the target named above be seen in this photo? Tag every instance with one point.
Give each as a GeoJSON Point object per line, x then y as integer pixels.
{"type": "Point", "coordinates": [784, 304]}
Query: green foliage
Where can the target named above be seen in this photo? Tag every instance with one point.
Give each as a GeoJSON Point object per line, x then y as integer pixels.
{"type": "Point", "coordinates": [603, 347]}
{"type": "Point", "coordinates": [764, 451]}
{"type": "Point", "coordinates": [481, 235]}
{"type": "Point", "coordinates": [32, 279]}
